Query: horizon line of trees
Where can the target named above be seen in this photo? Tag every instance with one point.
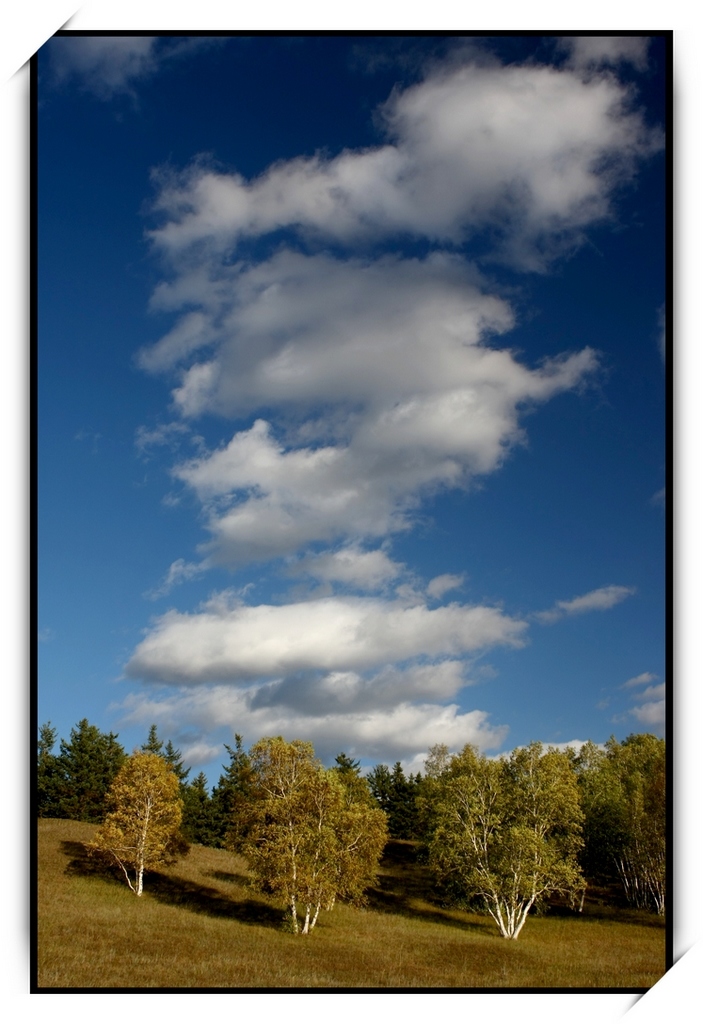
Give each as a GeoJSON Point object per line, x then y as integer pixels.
{"type": "Point", "coordinates": [604, 818]}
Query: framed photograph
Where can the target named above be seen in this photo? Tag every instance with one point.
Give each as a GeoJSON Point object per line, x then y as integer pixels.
{"type": "Point", "coordinates": [352, 424]}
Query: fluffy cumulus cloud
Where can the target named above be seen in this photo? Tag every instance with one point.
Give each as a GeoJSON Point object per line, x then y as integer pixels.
{"type": "Point", "coordinates": [595, 600]}
{"type": "Point", "coordinates": [649, 702]}
{"type": "Point", "coordinates": [359, 381]}
{"type": "Point", "coordinates": [362, 570]}
{"type": "Point", "coordinates": [233, 642]}
{"type": "Point", "coordinates": [439, 586]}
{"type": "Point", "coordinates": [521, 150]}
{"type": "Point", "coordinates": [395, 733]}
{"type": "Point", "coordinates": [390, 385]}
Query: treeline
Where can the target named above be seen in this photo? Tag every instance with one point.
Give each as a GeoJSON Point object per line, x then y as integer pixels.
{"type": "Point", "coordinates": [604, 819]}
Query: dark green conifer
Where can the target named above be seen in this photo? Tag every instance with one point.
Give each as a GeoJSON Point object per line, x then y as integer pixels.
{"type": "Point", "coordinates": [49, 784]}
{"type": "Point", "coordinates": [198, 825]}
{"type": "Point", "coordinates": [88, 764]}
{"type": "Point", "coordinates": [231, 794]}
{"type": "Point", "coordinates": [173, 758]}
{"type": "Point", "coordinates": [153, 744]}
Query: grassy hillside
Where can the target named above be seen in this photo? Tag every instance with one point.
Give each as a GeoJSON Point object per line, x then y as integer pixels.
{"type": "Point", "coordinates": [199, 925]}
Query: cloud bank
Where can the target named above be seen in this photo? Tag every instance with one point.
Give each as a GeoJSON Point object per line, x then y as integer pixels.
{"type": "Point", "coordinates": [359, 377]}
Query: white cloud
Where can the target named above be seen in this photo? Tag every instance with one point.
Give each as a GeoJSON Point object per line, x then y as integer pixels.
{"type": "Point", "coordinates": [398, 733]}
{"type": "Point", "coordinates": [233, 642]}
{"type": "Point", "coordinates": [395, 390]}
{"type": "Point", "coordinates": [108, 66]}
{"type": "Point", "coordinates": [334, 692]}
{"type": "Point", "coordinates": [179, 572]}
{"type": "Point", "coordinates": [366, 570]}
{"type": "Point", "coordinates": [441, 584]}
{"type": "Point", "coordinates": [360, 384]}
{"type": "Point", "coordinates": [595, 600]}
{"type": "Point", "coordinates": [596, 51]}
{"type": "Point", "coordinates": [105, 65]}
{"type": "Point", "coordinates": [199, 753]}
{"type": "Point", "coordinates": [192, 332]}
{"type": "Point", "coordinates": [650, 709]}
{"type": "Point", "coordinates": [574, 745]}
{"type": "Point", "coordinates": [640, 680]}
{"type": "Point", "coordinates": [521, 149]}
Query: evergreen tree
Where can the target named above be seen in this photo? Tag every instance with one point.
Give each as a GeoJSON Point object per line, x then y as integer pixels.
{"type": "Point", "coordinates": [198, 822]}
{"type": "Point", "coordinates": [88, 764]}
{"type": "Point", "coordinates": [379, 780]}
{"type": "Point", "coordinates": [402, 813]}
{"type": "Point", "coordinates": [173, 759]}
{"type": "Point", "coordinates": [345, 764]}
{"type": "Point", "coordinates": [231, 795]}
{"type": "Point", "coordinates": [153, 744]}
{"type": "Point", "coordinates": [49, 783]}
{"type": "Point", "coordinates": [396, 796]}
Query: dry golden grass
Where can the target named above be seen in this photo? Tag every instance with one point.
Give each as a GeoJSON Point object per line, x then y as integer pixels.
{"type": "Point", "coordinates": [199, 925]}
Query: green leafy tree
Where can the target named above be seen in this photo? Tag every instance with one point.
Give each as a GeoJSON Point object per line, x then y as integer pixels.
{"type": "Point", "coordinates": [356, 787]}
{"type": "Point", "coordinates": [87, 764]}
{"type": "Point", "coordinates": [306, 842]}
{"type": "Point", "coordinates": [142, 828]}
{"type": "Point", "coordinates": [427, 790]}
{"type": "Point", "coordinates": [603, 805]}
{"type": "Point", "coordinates": [623, 794]}
{"type": "Point", "coordinates": [507, 833]}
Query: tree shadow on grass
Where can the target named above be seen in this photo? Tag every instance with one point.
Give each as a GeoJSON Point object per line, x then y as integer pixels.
{"type": "Point", "coordinates": [406, 887]}
{"type": "Point", "coordinates": [178, 892]}
{"type": "Point", "coordinates": [384, 898]}
{"type": "Point", "coordinates": [230, 877]}
{"type": "Point", "coordinates": [202, 899]}
{"type": "Point", "coordinates": [85, 865]}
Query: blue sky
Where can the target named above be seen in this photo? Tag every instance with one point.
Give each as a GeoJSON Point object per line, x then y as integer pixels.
{"type": "Point", "coordinates": [351, 390]}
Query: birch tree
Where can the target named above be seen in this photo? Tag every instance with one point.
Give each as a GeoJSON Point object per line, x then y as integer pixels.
{"type": "Point", "coordinates": [142, 828]}
{"type": "Point", "coordinates": [507, 833]}
{"type": "Point", "coordinates": [307, 840]}
{"type": "Point", "coordinates": [623, 791]}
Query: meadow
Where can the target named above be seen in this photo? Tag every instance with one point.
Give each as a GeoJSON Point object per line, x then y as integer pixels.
{"type": "Point", "coordinates": [199, 925]}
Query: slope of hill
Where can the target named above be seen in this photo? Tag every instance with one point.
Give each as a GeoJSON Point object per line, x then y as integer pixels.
{"type": "Point", "coordinates": [200, 925]}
